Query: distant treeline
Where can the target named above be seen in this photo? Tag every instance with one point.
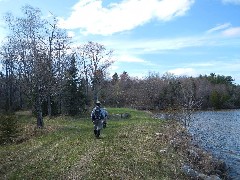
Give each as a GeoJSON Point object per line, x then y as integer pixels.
{"type": "Point", "coordinates": [172, 92]}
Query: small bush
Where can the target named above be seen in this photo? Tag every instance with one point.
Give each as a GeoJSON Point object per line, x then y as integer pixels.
{"type": "Point", "coordinates": [8, 128]}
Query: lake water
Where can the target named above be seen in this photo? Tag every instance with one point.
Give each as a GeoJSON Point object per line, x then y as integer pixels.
{"type": "Point", "coordinates": [219, 133]}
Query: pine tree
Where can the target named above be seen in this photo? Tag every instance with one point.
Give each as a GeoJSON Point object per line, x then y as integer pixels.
{"type": "Point", "coordinates": [71, 94]}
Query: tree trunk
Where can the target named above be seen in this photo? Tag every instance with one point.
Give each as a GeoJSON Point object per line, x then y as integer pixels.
{"type": "Point", "coordinates": [39, 110]}
{"type": "Point", "coordinates": [20, 97]}
{"type": "Point", "coordinates": [49, 106]}
{"type": "Point", "coordinates": [95, 93]}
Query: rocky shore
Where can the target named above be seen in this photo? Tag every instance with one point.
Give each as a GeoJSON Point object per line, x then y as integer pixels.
{"type": "Point", "coordinates": [197, 163]}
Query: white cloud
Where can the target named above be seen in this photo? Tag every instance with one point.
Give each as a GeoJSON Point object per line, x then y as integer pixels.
{"type": "Point", "coordinates": [92, 18]}
{"type": "Point", "coordinates": [232, 32]}
{"type": "Point", "coordinates": [226, 29]}
{"type": "Point", "coordinates": [203, 64]}
{"type": "Point", "coordinates": [2, 33]}
{"type": "Point", "coordinates": [130, 63]}
{"type": "Point", "coordinates": [71, 33]}
{"type": "Point", "coordinates": [150, 46]}
{"type": "Point", "coordinates": [173, 44]}
{"type": "Point", "coordinates": [128, 58]}
{"type": "Point", "coordinates": [216, 66]}
{"type": "Point", "coordinates": [183, 72]}
{"type": "Point", "coordinates": [232, 1]}
{"type": "Point", "coordinates": [219, 27]}
{"type": "Point", "coordinates": [113, 68]}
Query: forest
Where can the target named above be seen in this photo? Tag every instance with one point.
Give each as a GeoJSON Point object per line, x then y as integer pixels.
{"type": "Point", "coordinates": [45, 72]}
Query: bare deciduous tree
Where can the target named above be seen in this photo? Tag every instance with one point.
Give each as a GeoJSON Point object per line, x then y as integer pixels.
{"type": "Point", "coordinates": [35, 43]}
{"type": "Point", "coordinates": [94, 60]}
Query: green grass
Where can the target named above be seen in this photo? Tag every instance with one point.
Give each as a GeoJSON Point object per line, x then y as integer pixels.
{"type": "Point", "coordinates": [67, 149]}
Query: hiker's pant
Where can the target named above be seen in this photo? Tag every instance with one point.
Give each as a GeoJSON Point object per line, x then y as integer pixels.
{"type": "Point", "coordinates": [98, 124]}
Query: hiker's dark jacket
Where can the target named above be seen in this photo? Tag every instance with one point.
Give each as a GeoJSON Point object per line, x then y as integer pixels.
{"type": "Point", "coordinates": [98, 123]}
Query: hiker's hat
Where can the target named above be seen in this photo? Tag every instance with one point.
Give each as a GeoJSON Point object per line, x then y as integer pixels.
{"type": "Point", "coordinates": [98, 102]}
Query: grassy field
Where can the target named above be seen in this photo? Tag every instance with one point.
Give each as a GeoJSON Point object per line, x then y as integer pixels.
{"type": "Point", "coordinates": [135, 148]}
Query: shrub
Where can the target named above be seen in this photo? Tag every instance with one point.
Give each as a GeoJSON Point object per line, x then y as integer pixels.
{"type": "Point", "coordinates": [8, 128]}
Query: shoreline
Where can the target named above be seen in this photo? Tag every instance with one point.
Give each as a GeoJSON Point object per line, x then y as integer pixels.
{"type": "Point", "coordinates": [200, 163]}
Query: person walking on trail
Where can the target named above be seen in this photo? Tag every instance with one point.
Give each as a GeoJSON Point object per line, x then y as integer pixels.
{"type": "Point", "coordinates": [97, 116]}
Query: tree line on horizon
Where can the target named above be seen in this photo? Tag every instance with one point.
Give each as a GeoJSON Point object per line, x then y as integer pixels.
{"type": "Point", "coordinates": [43, 72]}
{"type": "Point", "coordinates": [168, 91]}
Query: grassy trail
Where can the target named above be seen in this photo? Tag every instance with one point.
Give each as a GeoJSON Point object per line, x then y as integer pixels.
{"type": "Point", "coordinates": [67, 149]}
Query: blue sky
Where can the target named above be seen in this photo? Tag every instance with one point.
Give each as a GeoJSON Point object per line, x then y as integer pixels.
{"type": "Point", "coordinates": [184, 37]}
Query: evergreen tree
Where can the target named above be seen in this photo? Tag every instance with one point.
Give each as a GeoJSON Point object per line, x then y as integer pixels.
{"type": "Point", "coordinates": [71, 93]}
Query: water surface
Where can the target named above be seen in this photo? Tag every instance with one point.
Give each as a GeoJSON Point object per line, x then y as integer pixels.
{"type": "Point", "coordinates": [219, 133]}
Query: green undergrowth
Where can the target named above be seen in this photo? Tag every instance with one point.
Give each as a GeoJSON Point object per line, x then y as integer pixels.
{"type": "Point", "coordinates": [67, 149]}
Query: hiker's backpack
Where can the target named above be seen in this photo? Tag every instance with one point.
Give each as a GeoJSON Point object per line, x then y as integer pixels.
{"type": "Point", "coordinates": [98, 113]}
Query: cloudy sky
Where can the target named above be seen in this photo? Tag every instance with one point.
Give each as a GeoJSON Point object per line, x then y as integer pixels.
{"type": "Point", "coordinates": [184, 37]}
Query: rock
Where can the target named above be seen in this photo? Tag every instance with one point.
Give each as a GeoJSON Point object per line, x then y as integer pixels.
{"type": "Point", "coordinates": [221, 166]}
{"type": "Point", "coordinates": [202, 176]}
{"type": "Point", "coordinates": [212, 177]}
{"type": "Point", "coordinates": [175, 143]}
{"type": "Point", "coordinates": [159, 134]}
{"type": "Point", "coordinates": [125, 115]}
{"type": "Point", "coordinates": [196, 175]}
{"type": "Point", "coordinates": [193, 155]}
{"type": "Point", "coordinates": [120, 116]}
{"type": "Point", "coordinates": [189, 171]}
{"type": "Point", "coordinates": [163, 151]}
